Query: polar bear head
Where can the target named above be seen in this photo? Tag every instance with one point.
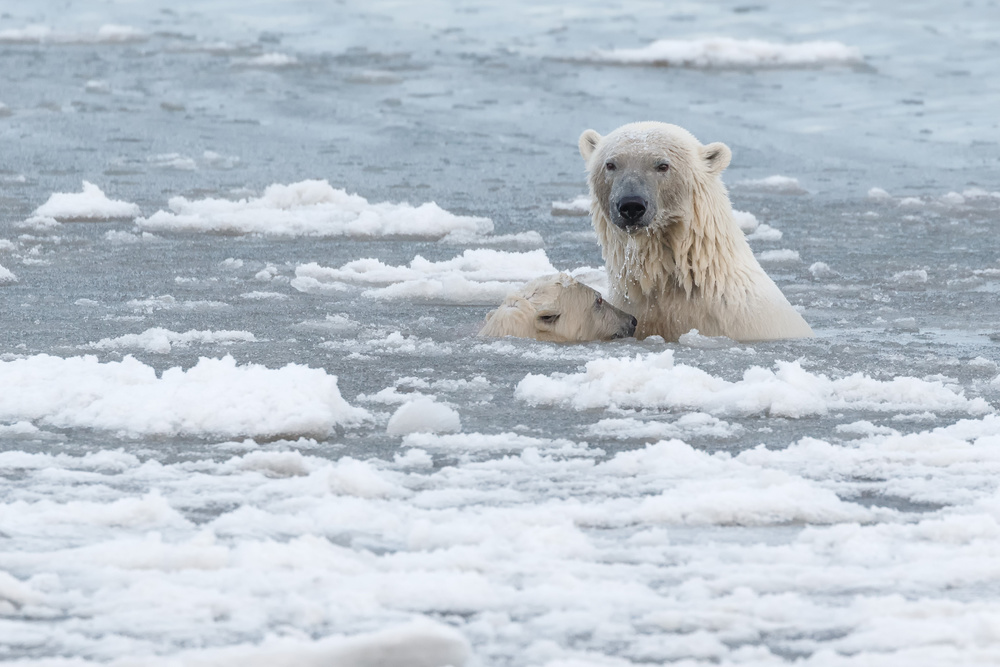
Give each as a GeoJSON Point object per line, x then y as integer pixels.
{"type": "Point", "coordinates": [645, 176]}
{"type": "Point", "coordinates": [559, 309]}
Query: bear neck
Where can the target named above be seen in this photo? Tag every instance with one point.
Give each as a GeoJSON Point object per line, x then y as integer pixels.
{"type": "Point", "coordinates": [693, 253]}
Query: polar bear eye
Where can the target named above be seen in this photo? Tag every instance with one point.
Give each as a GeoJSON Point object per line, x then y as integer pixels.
{"type": "Point", "coordinates": [598, 301]}
{"type": "Point", "coordinates": [610, 166]}
{"type": "Point", "coordinates": [662, 167]}
{"type": "Point", "coordinates": [548, 319]}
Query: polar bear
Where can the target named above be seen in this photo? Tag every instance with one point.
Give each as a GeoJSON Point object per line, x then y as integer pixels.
{"type": "Point", "coordinates": [559, 309]}
{"type": "Point", "coordinates": [674, 256]}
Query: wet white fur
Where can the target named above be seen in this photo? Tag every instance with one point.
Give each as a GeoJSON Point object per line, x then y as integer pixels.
{"type": "Point", "coordinates": [581, 316]}
{"type": "Point", "coordinates": [692, 267]}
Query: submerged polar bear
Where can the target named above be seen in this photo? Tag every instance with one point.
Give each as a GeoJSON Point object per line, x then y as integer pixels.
{"type": "Point", "coordinates": [674, 256]}
{"type": "Point", "coordinates": [559, 309]}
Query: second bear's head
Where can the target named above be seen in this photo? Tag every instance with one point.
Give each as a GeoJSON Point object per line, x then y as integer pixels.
{"type": "Point", "coordinates": [644, 176]}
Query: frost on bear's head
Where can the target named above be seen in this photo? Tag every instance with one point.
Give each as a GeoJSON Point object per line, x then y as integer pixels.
{"type": "Point", "coordinates": [643, 175]}
{"type": "Point", "coordinates": [558, 309]}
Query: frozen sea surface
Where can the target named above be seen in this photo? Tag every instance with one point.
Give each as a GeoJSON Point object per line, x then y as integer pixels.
{"type": "Point", "coordinates": [245, 420]}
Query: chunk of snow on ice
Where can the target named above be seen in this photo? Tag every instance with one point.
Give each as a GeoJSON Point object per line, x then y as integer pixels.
{"type": "Point", "coordinates": [745, 220]}
{"type": "Point", "coordinates": [655, 381]}
{"type": "Point", "coordinates": [952, 199]}
{"type": "Point", "coordinates": [785, 185]}
{"type": "Point", "coordinates": [311, 208]}
{"type": "Point", "coordinates": [162, 341]}
{"type": "Point", "coordinates": [90, 204]}
{"type": "Point", "coordinates": [913, 277]}
{"type": "Point", "coordinates": [765, 233]}
{"type": "Point", "coordinates": [7, 276]}
{"type": "Point", "coordinates": [578, 206]}
{"type": "Point", "coordinates": [531, 239]}
{"type": "Point", "coordinates": [477, 276]}
{"type": "Point", "coordinates": [167, 302]}
{"type": "Point", "coordinates": [728, 52]}
{"type": "Point", "coordinates": [695, 339]}
{"type": "Point", "coordinates": [216, 396]}
{"type": "Point", "coordinates": [822, 271]}
{"type": "Point", "coordinates": [219, 161]}
{"type": "Point", "coordinates": [911, 202]}
{"type": "Point", "coordinates": [172, 161]}
{"type": "Point", "coordinates": [39, 223]}
{"type": "Point", "coordinates": [695, 424]}
{"type": "Point", "coordinates": [109, 33]}
{"type": "Point", "coordinates": [421, 643]}
{"type": "Point", "coordinates": [423, 415]}
{"type": "Point", "coordinates": [779, 256]}
{"type": "Point", "coordinates": [128, 238]}
{"type": "Point", "coordinates": [264, 296]}
{"type": "Point", "coordinates": [97, 86]}
{"type": "Point", "coordinates": [271, 60]}
{"type": "Point", "coordinates": [878, 194]}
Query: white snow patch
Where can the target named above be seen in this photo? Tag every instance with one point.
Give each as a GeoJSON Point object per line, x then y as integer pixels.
{"type": "Point", "coordinates": [728, 52]}
{"type": "Point", "coordinates": [162, 341]}
{"type": "Point", "coordinates": [745, 220]}
{"type": "Point", "coordinates": [878, 194]}
{"type": "Point", "coordinates": [578, 206]}
{"type": "Point", "coordinates": [695, 424]}
{"type": "Point", "coordinates": [912, 277]}
{"type": "Point", "coordinates": [655, 381]}
{"type": "Point", "coordinates": [477, 276]}
{"type": "Point", "coordinates": [311, 208]}
{"type": "Point", "coordinates": [785, 185]}
{"type": "Point", "coordinates": [822, 271]}
{"type": "Point", "coordinates": [271, 60]}
{"type": "Point", "coordinates": [765, 233]}
{"type": "Point", "coordinates": [172, 161]}
{"type": "Point", "coordinates": [784, 255]}
{"type": "Point", "coordinates": [90, 204]}
{"type": "Point", "coordinates": [424, 415]}
{"type": "Point", "coordinates": [216, 396]}
{"type": "Point", "coordinates": [106, 34]}
{"type": "Point", "coordinates": [6, 276]}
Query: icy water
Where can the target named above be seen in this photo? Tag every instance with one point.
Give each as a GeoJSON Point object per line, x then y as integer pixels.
{"type": "Point", "coordinates": [215, 394]}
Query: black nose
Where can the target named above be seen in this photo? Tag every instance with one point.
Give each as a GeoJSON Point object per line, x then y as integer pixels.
{"type": "Point", "coordinates": [632, 208]}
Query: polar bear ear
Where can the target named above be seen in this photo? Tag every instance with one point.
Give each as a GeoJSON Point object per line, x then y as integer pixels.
{"type": "Point", "coordinates": [717, 156]}
{"type": "Point", "coordinates": [588, 142]}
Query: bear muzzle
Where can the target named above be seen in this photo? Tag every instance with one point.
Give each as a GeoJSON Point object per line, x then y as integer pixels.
{"type": "Point", "coordinates": [628, 328]}
{"type": "Point", "coordinates": [630, 213]}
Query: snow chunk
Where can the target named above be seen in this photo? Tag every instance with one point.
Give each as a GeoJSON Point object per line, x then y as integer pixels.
{"type": "Point", "coordinates": [90, 204]}
{"type": "Point", "coordinates": [914, 277]}
{"type": "Point", "coordinates": [765, 233]}
{"type": "Point", "coordinates": [311, 208]}
{"type": "Point", "coordinates": [785, 185]}
{"type": "Point", "coordinates": [578, 206]}
{"type": "Point", "coordinates": [272, 60]}
{"type": "Point", "coordinates": [421, 643]}
{"type": "Point", "coordinates": [822, 271]}
{"type": "Point", "coordinates": [728, 52]}
{"type": "Point", "coordinates": [745, 220]}
{"type": "Point", "coordinates": [878, 194]}
{"type": "Point", "coordinates": [779, 256]}
{"type": "Point", "coordinates": [106, 34]}
{"type": "Point", "coordinates": [6, 276]}
{"type": "Point", "coordinates": [162, 341]}
{"type": "Point", "coordinates": [477, 276]}
{"type": "Point", "coordinates": [424, 415]}
{"type": "Point", "coordinates": [655, 381]}
{"type": "Point", "coordinates": [214, 397]}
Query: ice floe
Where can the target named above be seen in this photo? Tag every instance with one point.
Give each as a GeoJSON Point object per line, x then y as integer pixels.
{"type": "Point", "coordinates": [729, 52]}
{"type": "Point", "coordinates": [89, 204]}
{"type": "Point", "coordinates": [477, 276]}
{"type": "Point", "coordinates": [161, 341]}
{"type": "Point", "coordinates": [311, 208]}
{"type": "Point", "coordinates": [214, 397]}
{"type": "Point", "coordinates": [656, 381]}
